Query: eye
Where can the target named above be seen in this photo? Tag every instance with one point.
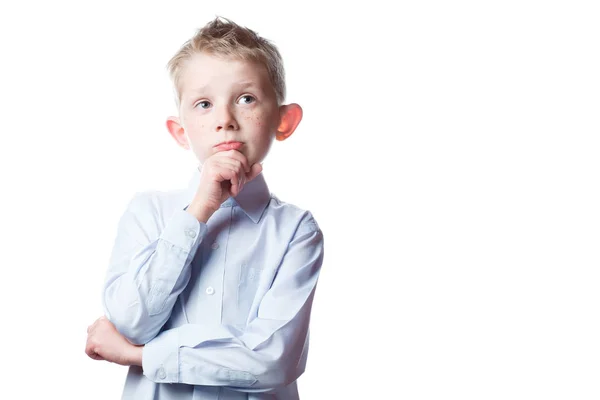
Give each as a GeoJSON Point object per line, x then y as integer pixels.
{"type": "Point", "coordinates": [246, 99]}
{"type": "Point", "coordinates": [203, 104]}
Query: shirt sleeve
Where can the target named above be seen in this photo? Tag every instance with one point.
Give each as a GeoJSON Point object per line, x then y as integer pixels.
{"type": "Point", "coordinates": [270, 353]}
{"type": "Point", "coordinates": [147, 270]}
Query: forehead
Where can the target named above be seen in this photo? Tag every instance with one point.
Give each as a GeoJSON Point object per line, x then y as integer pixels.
{"type": "Point", "coordinates": [204, 71]}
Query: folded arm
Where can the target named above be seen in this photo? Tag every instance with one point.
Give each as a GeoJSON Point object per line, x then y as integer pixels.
{"type": "Point", "coordinates": [270, 353]}
{"type": "Point", "coordinates": [148, 269]}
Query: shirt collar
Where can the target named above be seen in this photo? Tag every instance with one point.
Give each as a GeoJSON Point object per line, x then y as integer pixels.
{"type": "Point", "coordinates": [253, 199]}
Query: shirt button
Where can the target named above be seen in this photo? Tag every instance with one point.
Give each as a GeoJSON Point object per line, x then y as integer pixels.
{"type": "Point", "coordinates": [191, 234]}
{"type": "Point", "coordinates": [161, 373]}
{"type": "Point", "coordinates": [210, 290]}
{"type": "Point", "coordinates": [215, 246]}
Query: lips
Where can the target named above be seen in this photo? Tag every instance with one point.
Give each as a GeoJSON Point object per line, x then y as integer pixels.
{"type": "Point", "coordinates": [228, 146]}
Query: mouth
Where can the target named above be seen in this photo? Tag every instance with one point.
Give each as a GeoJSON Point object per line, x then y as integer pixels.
{"type": "Point", "coordinates": [230, 145]}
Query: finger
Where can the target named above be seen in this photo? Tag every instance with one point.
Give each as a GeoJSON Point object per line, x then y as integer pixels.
{"type": "Point", "coordinates": [235, 157]}
{"type": "Point", "coordinates": [93, 355]}
{"type": "Point", "coordinates": [92, 328]}
{"type": "Point", "coordinates": [239, 180]}
{"type": "Point", "coordinates": [230, 172]}
{"type": "Point", "coordinates": [242, 181]}
{"type": "Point", "coordinates": [241, 177]}
{"type": "Point", "coordinates": [226, 169]}
{"type": "Point", "coordinates": [234, 164]}
{"type": "Point", "coordinates": [225, 174]}
{"type": "Point", "coordinates": [235, 183]}
{"type": "Point", "coordinates": [239, 156]}
{"type": "Point", "coordinates": [89, 349]}
{"type": "Point", "coordinates": [254, 172]}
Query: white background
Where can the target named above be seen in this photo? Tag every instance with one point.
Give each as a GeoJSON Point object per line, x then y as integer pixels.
{"type": "Point", "coordinates": [449, 152]}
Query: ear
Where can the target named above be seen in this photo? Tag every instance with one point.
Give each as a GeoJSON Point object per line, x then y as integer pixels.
{"type": "Point", "coordinates": [290, 116]}
{"type": "Point", "coordinates": [176, 130]}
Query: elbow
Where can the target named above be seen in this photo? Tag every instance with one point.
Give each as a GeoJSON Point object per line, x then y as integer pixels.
{"type": "Point", "coordinates": [132, 321]}
{"type": "Point", "coordinates": [131, 326]}
{"type": "Point", "coordinates": [135, 334]}
{"type": "Point", "coordinates": [281, 369]}
{"type": "Point", "coordinates": [290, 372]}
{"type": "Point", "coordinates": [278, 375]}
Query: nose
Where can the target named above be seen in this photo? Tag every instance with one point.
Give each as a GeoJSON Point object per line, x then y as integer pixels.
{"type": "Point", "coordinates": [225, 120]}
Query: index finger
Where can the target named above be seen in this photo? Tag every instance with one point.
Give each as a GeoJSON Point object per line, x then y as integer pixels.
{"type": "Point", "coordinates": [241, 157]}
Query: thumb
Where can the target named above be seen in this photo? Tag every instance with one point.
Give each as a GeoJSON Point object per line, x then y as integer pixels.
{"type": "Point", "coordinates": [255, 170]}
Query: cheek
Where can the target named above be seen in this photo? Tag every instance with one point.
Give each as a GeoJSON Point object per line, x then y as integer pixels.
{"type": "Point", "coordinates": [257, 118]}
{"type": "Point", "coordinates": [194, 125]}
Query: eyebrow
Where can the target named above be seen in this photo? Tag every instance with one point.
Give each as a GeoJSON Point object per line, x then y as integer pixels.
{"type": "Point", "coordinates": [238, 85]}
{"type": "Point", "coordinates": [246, 84]}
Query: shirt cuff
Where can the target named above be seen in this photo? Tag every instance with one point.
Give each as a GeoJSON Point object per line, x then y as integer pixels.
{"type": "Point", "coordinates": [184, 230]}
{"type": "Point", "coordinates": [160, 358]}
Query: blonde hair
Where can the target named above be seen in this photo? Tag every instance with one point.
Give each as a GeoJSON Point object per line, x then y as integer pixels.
{"type": "Point", "coordinates": [224, 37]}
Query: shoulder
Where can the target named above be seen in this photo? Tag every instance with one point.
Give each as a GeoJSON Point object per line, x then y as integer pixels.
{"type": "Point", "coordinates": [148, 211]}
{"type": "Point", "coordinates": [303, 219]}
{"type": "Point", "coordinates": [141, 202]}
{"type": "Point", "coordinates": [154, 201]}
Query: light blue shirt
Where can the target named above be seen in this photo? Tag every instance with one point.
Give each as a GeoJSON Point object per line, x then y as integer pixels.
{"type": "Point", "coordinates": [223, 308]}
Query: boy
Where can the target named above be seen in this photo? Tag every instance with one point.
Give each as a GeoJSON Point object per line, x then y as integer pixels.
{"type": "Point", "coordinates": [209, 290]}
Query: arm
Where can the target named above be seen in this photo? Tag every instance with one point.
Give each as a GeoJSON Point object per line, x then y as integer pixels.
{"type": "Point", "coordinates": [271, 353]}
{"type": "Point", "coordinates": [148, 270]}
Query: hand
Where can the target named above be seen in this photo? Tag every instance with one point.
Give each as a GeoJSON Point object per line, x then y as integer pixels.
{"type": "Point", "coordinates": [223, 174]}
{"type": "Point", "coordinates": [104, 342]}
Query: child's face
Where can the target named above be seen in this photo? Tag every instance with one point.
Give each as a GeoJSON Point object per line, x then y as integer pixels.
{"type": "Point", "coordinates": [227, 100]}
